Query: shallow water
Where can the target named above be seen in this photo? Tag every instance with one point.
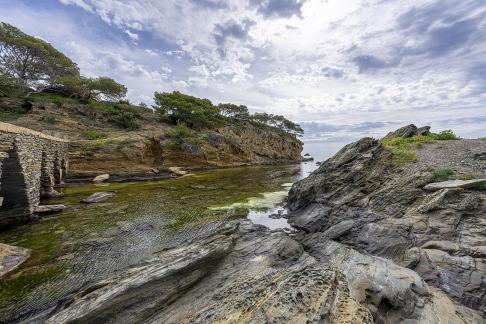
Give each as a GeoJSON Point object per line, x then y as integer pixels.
{"type": "Point", "coordinates": [88, 243]}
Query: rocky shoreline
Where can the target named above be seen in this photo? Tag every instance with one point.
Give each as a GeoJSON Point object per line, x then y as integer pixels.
{"type": "Point", "coordinates": [373, 243]}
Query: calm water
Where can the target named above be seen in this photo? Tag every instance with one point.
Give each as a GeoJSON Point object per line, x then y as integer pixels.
{"type": "Point", "coordinates": [88, 243]}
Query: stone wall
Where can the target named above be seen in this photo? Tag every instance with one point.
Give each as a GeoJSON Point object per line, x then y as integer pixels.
{"type": "Point", "coordinates": [32, 164]}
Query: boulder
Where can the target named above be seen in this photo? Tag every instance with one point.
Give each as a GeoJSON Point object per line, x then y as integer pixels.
{"type": "Point", "coordinates": [99, 197]}
{"type": "Point", "coordinates": [11, 257]}
{"type": "Point", "coordinates": [408, 131]}
{"type": "Point", "coordinates": [450, 184]}
{"type": "Point", "coordinates": [101, 178]}
{"type": "Point", "coordinates": [49, 209]}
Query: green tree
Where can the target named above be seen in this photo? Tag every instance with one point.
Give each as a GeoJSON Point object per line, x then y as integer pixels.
{"type": "Point", "coordinates": [107, 88]}
{"type": "Point", "coordinates": [31, 60]}
{"type": "Point", "coordinates": [236, 112]}
{"type": "Point", "coordinates": [8, 86]}
{"type": "Point", "coordinates": [181, 108]}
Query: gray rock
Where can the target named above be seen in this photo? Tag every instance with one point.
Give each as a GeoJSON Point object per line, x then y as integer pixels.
{"type": "Point", "coordinates": [99, 197]}
{"type": "Point", "coordinates": [195, 187]}
{"type": "Point", "coordinates": [339, 229]}
{"type": "Point", "coordinates": [408, 131]}
{"type": "Point", "coordinates": [11, 257]}
{"type": "Point", "coordinates": [464, 184]}
{"type": "Point", "coordinates": [251, 275]}
{"type": "Point", "coordinates": [49, 209]}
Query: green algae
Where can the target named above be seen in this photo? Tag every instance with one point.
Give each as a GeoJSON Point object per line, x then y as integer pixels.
{"type": "Point", "coordinates": [51, 238]}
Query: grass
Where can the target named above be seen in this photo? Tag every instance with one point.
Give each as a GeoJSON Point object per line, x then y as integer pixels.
{"type": "Point", "coordinates": [50, 97]}
{"type": "Point", "coordinates": [103, 143]}
{"type": "Point", "coordinates": [10, 113]}
{"type": "Point", "coordinates": [404, 149]}
{"type": "Point", "coordinates": [443, 174]}
{"type": "Point", "coordinates": [94, 134]}
{"type": "Point", "coordinates": [48, 119]}
{"type": "Point", "coordinates": [16, 287]}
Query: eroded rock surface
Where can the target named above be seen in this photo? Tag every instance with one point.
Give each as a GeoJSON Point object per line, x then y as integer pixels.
{"type": "Point", "coordinates": [99, 197]}
{"type": "Point", "coordinates": [245, 273]}
{"type": "Point", "coordinates": [361, 200]}
{"type": "Point", "coordinates": [11, 257]}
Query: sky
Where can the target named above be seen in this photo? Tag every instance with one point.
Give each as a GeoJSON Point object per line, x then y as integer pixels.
{"type": "Point", "coordinates": [342, 69]}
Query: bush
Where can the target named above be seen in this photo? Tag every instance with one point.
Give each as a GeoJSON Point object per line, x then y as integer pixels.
{"type": "Point", "coordinates": [445, 135]}
{"type": "Point", "coordinates": [9, 113]}
{"type": "Point", "coordinates": [443, 174]}
{"type": "Point", "coordinates": [94, 134]}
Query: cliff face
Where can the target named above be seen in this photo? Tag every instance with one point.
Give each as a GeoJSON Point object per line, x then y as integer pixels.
{"type": "Point", "coordinates": [98, 146]}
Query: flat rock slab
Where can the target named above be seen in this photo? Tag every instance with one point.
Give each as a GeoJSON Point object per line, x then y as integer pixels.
{"type": "Point", "coordinates": [464, 184]}
{"type": "Point", "coordinates": [99, 197]}
{"type": "Point", "coordinates": [101, 178]}
{"type": "Point", "coordinates": [49, 209]}
{"type": "Point", "coordinates": [11, 257]}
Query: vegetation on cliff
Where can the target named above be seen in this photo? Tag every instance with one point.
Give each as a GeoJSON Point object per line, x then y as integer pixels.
{"type": "Point", "coordinates": [93, 113]}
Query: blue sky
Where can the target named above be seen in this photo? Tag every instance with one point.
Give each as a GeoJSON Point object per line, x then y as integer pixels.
{"type": "Point", "coordinates": [344, 69]}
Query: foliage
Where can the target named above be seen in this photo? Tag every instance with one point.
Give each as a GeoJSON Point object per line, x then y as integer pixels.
{"type": "Point", "coordinates": [179, 134]}
{"type": "Point", "coordinates": [402, 150]}
{"type": "Point", "coordinates": [124, 119]}
{"type": "Point", "coordinates": [194, 112]}
{"type": "Point", "coordinates": [235, 112]}
{"type": "Point", "coordinates": [443, 174]}
{"type": "Point", "coordinates": [93, 134]}
{"type": "Point", "coordinates": [51, 97]}
{"type": "Point", "coordinates": [107, 88]}
{"type": "Point", "coordinates": [31, 60]}
{"type": "Point", "coordinates": [278, 122]}
{"type": "Point", "coordinates": [445, 135]}
{"type": "Point", "coordinates": [9, 113]}
{"type": "Point", "coordinates": [8, 86]}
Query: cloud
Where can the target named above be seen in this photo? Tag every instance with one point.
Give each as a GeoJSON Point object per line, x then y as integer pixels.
{"type": "Point", "coordinates": [210, 4]}
{"type": "Point", "coordinates": [232, 29]}
{"type": "Point", "coordinates": [278, 8]}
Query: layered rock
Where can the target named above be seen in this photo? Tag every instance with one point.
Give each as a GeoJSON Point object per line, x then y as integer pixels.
{"type": "Point", "coordinates": [360, 199]}
{"type": "Point", "coordinates": [244, 273]}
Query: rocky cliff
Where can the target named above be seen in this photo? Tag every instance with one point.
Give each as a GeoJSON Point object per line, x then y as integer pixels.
{"type": "Point", "coordinates": [375, 242]}
{"type": "Point", "coordinates": [98, 146]}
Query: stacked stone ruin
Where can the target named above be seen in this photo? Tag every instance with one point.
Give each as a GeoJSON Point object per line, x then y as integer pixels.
{"type": "Point", "coordinates": [32, 165]}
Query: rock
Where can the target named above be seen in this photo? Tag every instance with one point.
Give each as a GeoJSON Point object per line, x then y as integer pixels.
{"type": "Point", "coordinates": [360, 199]}
{"type": "Point", "coordinates": [11, 257]}
{"type": "Point", "coordinates": [464, 184]}
{"type": "Point", "coordinates": [101, 178]}
{"type": "Point", "coordinates": [99, 197]}
{"type": "Point", "coordinates": [307, 154]}
{"type": "Point", "coordinates": [197, 187]}
{"type": "Point", "coordinates": [49, 209]}
{"type": "Point", "coordinates": [408, 131]}
{"type": "Point", "coordinates": [246, 273]}
{"type": "Point", "coordinates": [178, 171]}
{"type": "Point", "coordinates": [307, 159]}
{"type": "Point", "coordinates": [169, 188]}
{"type": "Point", "coordinates": [50, 194]}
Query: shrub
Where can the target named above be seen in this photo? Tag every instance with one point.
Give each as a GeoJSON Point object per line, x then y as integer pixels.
{"type": "Point", "coordinates": [124, 119]}
{"type": "Point", "coordinates": [443, 174]}
{"type": "Point", "coordinates": [93, 134]}
{"type": "Point", "coordinates": [445, 135]}
{"type": "Point", "coordinates": [9, 113]}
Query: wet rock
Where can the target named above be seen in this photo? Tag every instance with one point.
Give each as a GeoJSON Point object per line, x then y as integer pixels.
{"type": "Point", "coordinates": [168, 188]}
{"type": "Point", "coordinates": [99, 197]}
{"type": "Point", "coordinates": [101, 178]}
{"type": "Point", "coordinates": [11, 257]}
{"type": "Point", "coordinates": [195, 187]}
{"type": "Point", "coordinates": [49, 209]}
{"type": "Point", "coordinates": [245, 273]}
{"type": "Point", "coordinates": [464, 184]}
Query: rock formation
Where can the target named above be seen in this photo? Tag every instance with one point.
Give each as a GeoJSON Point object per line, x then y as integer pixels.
{"type": "Point", "coordinates": [372, 246]}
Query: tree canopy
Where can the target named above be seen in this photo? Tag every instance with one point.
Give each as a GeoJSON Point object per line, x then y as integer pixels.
{"type": "Point", "coordinates": [195, 112]}
{"type": "Point", "coordinates": [201, 113]}
{"type": "Point", "coordinates": [31, 60]}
